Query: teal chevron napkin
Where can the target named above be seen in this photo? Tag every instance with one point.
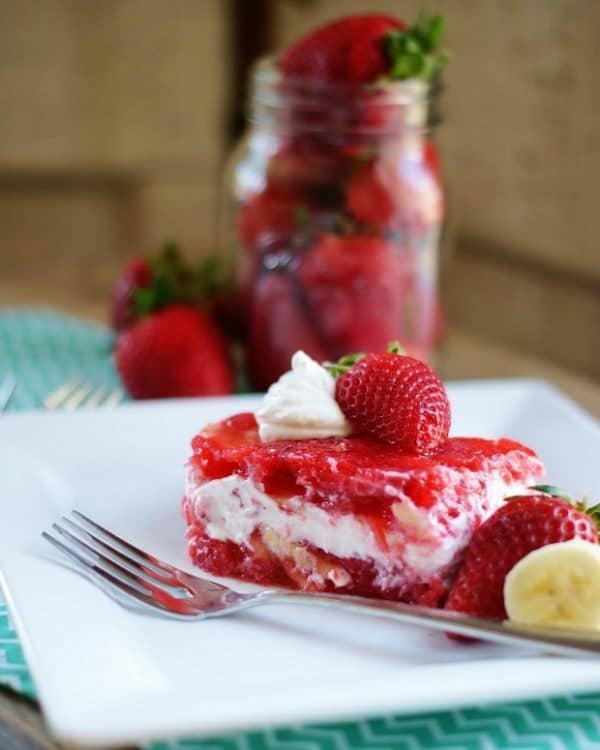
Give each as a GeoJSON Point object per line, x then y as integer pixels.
{"type": "Point", "coordinates": [44, 350]}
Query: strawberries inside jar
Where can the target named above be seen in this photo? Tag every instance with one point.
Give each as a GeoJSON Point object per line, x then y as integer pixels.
{"type": "Point", "coordinates": [334, 210]}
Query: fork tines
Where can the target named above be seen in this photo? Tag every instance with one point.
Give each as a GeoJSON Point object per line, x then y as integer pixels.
{"type": "Point", "coordinates": [79, 392]}
{"type": "Point", "coordinates": [7, 388]}
{"type": "Point", "coordinates": [116, 563]}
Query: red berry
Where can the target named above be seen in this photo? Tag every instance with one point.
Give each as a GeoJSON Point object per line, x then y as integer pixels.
{"type": "Point", "coordinates": [177, 351]}
{"type": "Point", "coordinates": [398, 399]}
{"type": "Point", "coordinates": [432, 158]}
{"type": "Point", "coordinates": [399, 190]}
{"type": "Point", "coordinates": [520, 526]}
{"type": "Point", "coordinates": [279, 326]}
{"type": "Point", "coordinates": [308, 160]}
{"type": "Point", "coordinates": [269, 217]}
{"type": "Point", "coordinates": [356, 288]}
{"type": "Point", "coordinates": [137, 275]}
{"type": "Point", "coordinates": [349, 50]}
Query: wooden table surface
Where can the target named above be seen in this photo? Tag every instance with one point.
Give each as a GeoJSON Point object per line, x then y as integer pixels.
{"type": "Point", "coordinates": [463, 356]}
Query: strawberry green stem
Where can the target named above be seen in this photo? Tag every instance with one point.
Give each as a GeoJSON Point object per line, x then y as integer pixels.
{"type": "Point", "coordinates": [550, 489]}
{"type": "Point", "coordinates": [346, 362]}
{"type": "Point", "coordinates": [174, 282]}
{"type": "Point", "coordinates": [415, 53]}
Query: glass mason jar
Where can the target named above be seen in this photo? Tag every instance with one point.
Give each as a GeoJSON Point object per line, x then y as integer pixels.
{"type": "Point", "coordinates": [334, 205]}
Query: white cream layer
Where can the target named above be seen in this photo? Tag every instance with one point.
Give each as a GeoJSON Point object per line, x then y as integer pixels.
{"type": "Point", "coordinates": [424, 542]}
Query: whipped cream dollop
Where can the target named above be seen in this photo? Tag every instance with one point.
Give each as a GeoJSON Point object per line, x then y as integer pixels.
{"type": "Point", "coordinates": [301, 404]}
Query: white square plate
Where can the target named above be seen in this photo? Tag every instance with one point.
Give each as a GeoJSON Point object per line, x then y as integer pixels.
{"type": "Point", "coordinates": [107, 675]}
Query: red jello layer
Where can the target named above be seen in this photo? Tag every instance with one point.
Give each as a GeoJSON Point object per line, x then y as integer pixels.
{"type": "Point", "coordinates": [357, 474]}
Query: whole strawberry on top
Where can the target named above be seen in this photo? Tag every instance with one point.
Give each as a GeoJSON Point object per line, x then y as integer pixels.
{"type": "Point", "coordinates": [525, 523]}
{"type": "Point", "coordinates": [398, 399]}
{"type": "Point", "coordinates": [361, 49]}
{"type": "Point", "coordinates": [169, 345]}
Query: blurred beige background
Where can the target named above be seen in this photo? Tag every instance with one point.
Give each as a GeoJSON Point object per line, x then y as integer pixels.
{"type": "Point", "coordinates": [115, 116]}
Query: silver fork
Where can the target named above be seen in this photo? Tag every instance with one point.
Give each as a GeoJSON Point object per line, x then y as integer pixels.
{"type": "Point", "coordinates": [135, 578]}
{"type": "Point", "coordinates": [7, 388]}
{"type": "Point", "coordinates": [80, 392]}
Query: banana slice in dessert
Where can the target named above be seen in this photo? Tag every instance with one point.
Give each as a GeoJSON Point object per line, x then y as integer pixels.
{"type": "Point", "coordinates": [558, 584]}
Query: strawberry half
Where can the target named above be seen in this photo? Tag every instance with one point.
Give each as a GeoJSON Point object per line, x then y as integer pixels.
{"type": "Point", "coordinates": [397, 398]}
{"type": "Point", "coordinates": [523, 524]}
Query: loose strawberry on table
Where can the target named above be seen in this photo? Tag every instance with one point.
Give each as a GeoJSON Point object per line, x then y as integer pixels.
{"type": "Point", "coordinates": [169, 344]}
{"type": "Point", "coordinates": [177, 351]}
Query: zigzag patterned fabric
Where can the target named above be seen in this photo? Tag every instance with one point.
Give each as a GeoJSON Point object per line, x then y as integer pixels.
{"type": "Point", "coordinates": [45, 350]}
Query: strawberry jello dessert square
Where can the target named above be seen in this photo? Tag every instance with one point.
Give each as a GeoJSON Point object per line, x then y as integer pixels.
{"type": "Point", "coordinates": [345, 480]}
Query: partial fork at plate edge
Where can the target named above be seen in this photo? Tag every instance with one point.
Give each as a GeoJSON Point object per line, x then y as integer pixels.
{"type": "Point", "coordinates": [135, 578]}
{"type": "Point", "coordinates": [7, 388]}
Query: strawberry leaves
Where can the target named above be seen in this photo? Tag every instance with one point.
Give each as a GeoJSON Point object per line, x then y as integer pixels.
{"type": "Point", "coordinates": [550, 489]}
{"type": "Point", "coordinates": [346, 362]}
{"type": "Point", "coordinates": [174, 282]}
{"type": "Point", "coordinates": [593, 512]}
{"type": "Point", "coordinates": [415, 53]}
{"type": "Point", "coordinates": [343, 364]}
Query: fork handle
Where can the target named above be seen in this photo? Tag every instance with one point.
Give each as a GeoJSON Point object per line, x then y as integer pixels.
{"type": "Point", "coordinates": [559, 641]}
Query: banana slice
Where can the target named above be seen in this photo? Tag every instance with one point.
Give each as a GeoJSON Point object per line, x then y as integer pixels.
{"type": "Point", "coordinates": [558, 584]}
